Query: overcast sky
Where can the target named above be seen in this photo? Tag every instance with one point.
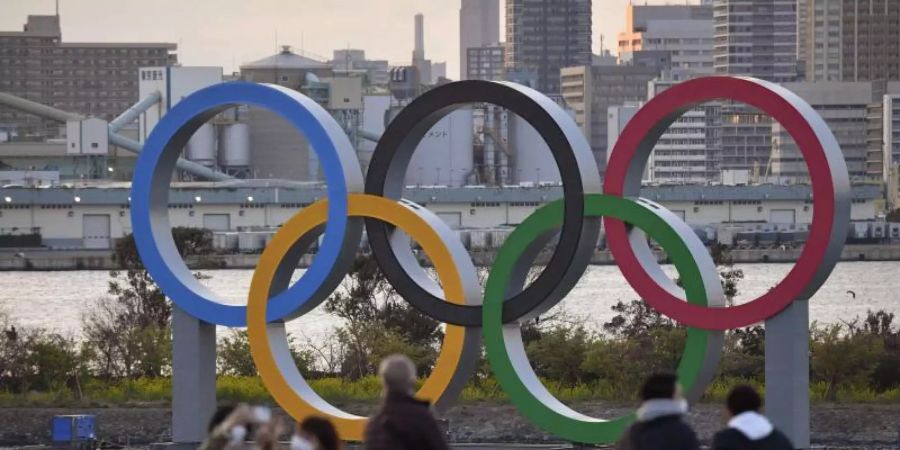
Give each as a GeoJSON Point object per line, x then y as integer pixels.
{"type": "Point", "coordinates": [229, 32]}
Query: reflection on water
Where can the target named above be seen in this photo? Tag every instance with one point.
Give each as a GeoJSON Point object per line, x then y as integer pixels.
{"type": "Point", "coordinates": [57, 300]}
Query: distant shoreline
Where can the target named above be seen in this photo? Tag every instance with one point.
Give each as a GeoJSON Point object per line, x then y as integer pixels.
{"type": "Point", "coordinates": [62, 260]}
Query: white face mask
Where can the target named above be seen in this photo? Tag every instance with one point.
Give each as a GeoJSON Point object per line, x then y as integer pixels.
{"type": "Point", "coordinates": [236, 435]}
{"type": "Point", "coordinates": [299, 443]}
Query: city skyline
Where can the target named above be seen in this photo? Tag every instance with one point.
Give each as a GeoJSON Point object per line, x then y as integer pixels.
{"type": "Point", "coordinates": [245, 32]}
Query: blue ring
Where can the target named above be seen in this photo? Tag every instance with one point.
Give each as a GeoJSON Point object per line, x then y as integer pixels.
{"type": "Point", "coordinates": [150, 197]}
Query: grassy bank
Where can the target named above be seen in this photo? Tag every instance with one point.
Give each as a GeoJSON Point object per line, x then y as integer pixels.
{"type": "Point", "coordinates": [157, 391]}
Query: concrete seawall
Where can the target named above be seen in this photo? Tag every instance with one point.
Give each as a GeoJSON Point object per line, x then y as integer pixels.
{"type": "Point", "coordinates": [18, 259]}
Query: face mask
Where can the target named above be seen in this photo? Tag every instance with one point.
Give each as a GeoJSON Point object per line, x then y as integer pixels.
{"type": "Point", "coordinates": [237, 434]}
{"type": "Point", "coordinates": [299, 443]}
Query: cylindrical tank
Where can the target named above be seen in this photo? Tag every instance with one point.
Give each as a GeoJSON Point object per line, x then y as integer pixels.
{"type": "Point", "coordinates": [201, 148]}
{"type": "Point", "coordinates": [533, 161]}
{"type": "Point", "coordinates": [445, 155]}
{"type": "Point", "coordinates": [234, 145]}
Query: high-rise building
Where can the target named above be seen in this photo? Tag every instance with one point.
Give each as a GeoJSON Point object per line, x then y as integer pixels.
{"type": "Point", "coordinates": [591, 90]}
{"type": "Point", "coordinates": [97, 79]}
{"type": "Point", "coordinates": [802, 39]}
{"type": "Point", "coordinates": [684, 30]}
{"type": "Point", "coordinates": [851, 40]}
{"type": "Point", "coordinates": [486, 63]}
{"type": "Point", "coordinates": [883, 135]}
{"type": "Point", "coordinates": [756, 38]}
{"type": "Point", "coordinates": [688, 152]}
{"type": "Point", "coordinates": [543, 36]}
{"type": "Point", "coordinates": [617, 118]}
{"type": "Point", "coordinates": [479, 26]}
{"type": "Point", "coordinates": [847, 109]}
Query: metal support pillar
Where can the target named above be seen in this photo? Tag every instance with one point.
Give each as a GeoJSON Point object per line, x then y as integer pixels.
{"type": "Point", "coordinates": [787, 372]}
{"type": "Point", "coordinates": [193, 377]}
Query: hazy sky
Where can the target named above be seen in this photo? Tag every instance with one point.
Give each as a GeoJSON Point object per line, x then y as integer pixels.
{"type": "Point", "coordinates": [229, 32]}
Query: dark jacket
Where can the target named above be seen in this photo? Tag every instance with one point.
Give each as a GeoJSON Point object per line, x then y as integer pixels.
{"type": "Point", "coordinates": [404, 423]}
{"type": "Point", "coordinates": [659, 427]}
{"type": "Point", "coordinates": [751, 431]}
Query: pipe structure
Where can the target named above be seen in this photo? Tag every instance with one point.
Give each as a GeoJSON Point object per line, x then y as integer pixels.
{"type": "Point", "coordinates": [182, 164]}
{"type": "Point", "coordinates": [117, 139]}
{"type": "Point", "coordinates": [37, 109]}
{"type": "Point", "coordinates": [368, 135]}
{"type": "Point", "coordinates": [131, 114]}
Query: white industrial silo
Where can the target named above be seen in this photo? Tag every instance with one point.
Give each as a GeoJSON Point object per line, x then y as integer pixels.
{"type": "Point", "coordinates": [234, 145]}
{"type": "Point", "coordinates": [533, 162]}
{"type": "Point", "coordinates": [444, 157]}
{"type": "Point", "coordinates": [201, 148]}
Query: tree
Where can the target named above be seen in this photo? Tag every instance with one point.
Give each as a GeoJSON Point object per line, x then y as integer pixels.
{"type": "Point", "coordinates": [128, 333]}
{"type": "Point", "coordinates": [379, 322]}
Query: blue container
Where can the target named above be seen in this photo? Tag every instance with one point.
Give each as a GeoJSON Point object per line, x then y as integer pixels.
{"type": "Point", "coordinates": [73, 429]}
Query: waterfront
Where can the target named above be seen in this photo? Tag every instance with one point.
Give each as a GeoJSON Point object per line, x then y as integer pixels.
{"type": "Point", "coordinates": [57, 300]}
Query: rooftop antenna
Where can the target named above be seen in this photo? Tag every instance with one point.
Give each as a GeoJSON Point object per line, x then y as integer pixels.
{"type": "Point", "coordinates": [57, 8]}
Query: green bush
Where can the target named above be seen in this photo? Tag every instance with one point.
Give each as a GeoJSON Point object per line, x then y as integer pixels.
{"type": "Point", "coordinates": [842, 357]}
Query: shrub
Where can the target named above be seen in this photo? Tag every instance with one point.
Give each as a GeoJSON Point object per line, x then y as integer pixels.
{"type": "Point", "coordinates": [842, 356]}
{"type": "Point", "coordinates": [234, 357]}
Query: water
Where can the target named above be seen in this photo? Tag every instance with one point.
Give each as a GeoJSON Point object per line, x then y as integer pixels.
{"type": "Point", "coordinates": [57, 300]}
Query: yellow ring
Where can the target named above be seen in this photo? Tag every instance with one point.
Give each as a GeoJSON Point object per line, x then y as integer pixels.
{"type": "Point", "coordinates": [292, 392]}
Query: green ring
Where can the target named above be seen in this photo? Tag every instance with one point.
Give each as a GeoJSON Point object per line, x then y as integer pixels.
{"type": "Point", "coordinates": [564, 422]}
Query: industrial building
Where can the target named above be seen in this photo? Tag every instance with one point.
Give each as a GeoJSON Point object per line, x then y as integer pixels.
{"type": "Point", "coordinates": [352, 62]}
{"type": "Point", "coordinates": [86, 217]}
{"type": "Point", "coordinates": [97, 79]}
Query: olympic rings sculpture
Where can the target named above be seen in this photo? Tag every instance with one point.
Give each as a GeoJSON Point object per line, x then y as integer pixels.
{"type": "Point", "coordinates": [391, 223]}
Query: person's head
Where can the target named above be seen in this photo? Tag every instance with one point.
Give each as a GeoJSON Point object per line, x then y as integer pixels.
{"type": "Point", "coordinates": [315, 433]}
{"type": "Point", "coordinates": [661, 386]}
{"type": "Point", "coordinates": [222, 413]}
{"type": "Point", "coordinates": [398, 375]}
{"type": "Point", "coordinates": [741, 399]}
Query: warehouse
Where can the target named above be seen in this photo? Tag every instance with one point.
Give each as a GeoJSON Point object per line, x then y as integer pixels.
{"type": "Point", "coordinates": [92, 217]}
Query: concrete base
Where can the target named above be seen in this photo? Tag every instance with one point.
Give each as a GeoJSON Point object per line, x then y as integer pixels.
{"type": "Point", "coordinates": [787, 372]}
{"type": "Point", "coordinates": [286, 446]}
{"type": "Point", "coordinates": [174, 446]}
{"type": "Point", "coordinates": [193, 377]}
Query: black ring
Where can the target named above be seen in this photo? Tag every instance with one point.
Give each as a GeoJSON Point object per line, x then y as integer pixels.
{"type": "Point", "coordinates": [578, 235]}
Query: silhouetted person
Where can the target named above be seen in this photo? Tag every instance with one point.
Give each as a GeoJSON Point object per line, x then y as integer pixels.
{"type": "Point", "coordinates": [747, 428]}
{"type": "Point", "coordinates": [402, 422]}
{"type": "Point", "coordinates": [315, 433]}
{"type": "Point", "coordinates": [11, 334]}
{"type": "Point", "coordinates": [659, 424]}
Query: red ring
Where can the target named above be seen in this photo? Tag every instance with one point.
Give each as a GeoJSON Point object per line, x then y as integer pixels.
{"type": "Point", "coordinates": [670, 104]}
